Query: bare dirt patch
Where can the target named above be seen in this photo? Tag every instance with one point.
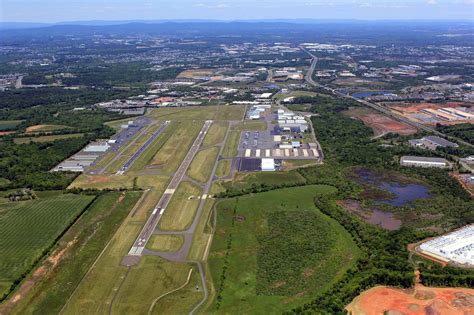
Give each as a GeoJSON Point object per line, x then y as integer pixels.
{"type": "Point", "coordinates": [385, 220]}
{"type": "Point", "coordinates": [463, 179]}
{"type": "Point", "coordinates": [381, 124]}
{"type": "Point", "coordinates": [424, 300]}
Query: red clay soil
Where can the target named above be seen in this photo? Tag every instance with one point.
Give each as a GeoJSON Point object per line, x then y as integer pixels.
{"type": "Point", "coordinates": [381, 124]}
{"type": "Point", "coordinates": [421, 301]}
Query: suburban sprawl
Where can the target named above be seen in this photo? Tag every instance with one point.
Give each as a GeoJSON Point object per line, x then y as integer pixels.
{"type": "Point", "coordinates": [237, 168]}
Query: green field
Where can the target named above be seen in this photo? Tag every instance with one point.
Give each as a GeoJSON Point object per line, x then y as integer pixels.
{"type": "Point", "coordinates": [24, 140]}
{"type": "Point", "coordinates": [223, 168]}
{"type": "Point", "coordinates": [157, 277]}
{"type": "Point", "coordinates": [29, 228]}
{"type": "Point", "coordinates": [165, 243]}
{"type": "Point", "coordinates": [101, 285]}
{"type": "Point", "coordinates": [183, 205]}
{"type": "Point", "coordinates": [245, 180]}
{"type": "Point", "coordinates": [202, 164]}
{"type": "Point", "coordinates": [222, 112]}
{"type": "Point", "coordinates": [9, 124]}
{"type": "Point", "coordinates": [250, 125]}
{"type": "Point", "coordinates": [90, 235]}
{"type": "Point", "coordinates": [230, 147]}
{"type": "Point", "coordinates": [216, 133]}
{"type": "Point", "coordinates": [275, 250]}
{"type": "Point", "coordinates": [147, 156]}
{"type": "Point", "coordinates": [176, 147]}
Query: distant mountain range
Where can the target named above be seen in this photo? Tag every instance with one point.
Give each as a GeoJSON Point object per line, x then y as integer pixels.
{"type": "Point", "coordinates": [29, 25]}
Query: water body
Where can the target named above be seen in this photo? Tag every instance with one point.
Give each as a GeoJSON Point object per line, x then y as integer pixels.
{"type": "Point", "coordinates": [403, 194]}
{"type": "Point", "coordinates": [370, 93]}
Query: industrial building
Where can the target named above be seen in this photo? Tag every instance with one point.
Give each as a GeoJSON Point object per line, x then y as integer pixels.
{"type": "Point", "coordinates": [268, 165]}
{"type": "Point", "coordinates": [85, 158]}
{"type": "Point", "coordinates": [456, 247]}
{"type": "Point", "coordinates": [432, 142]}
{"type": "Point", "coordinates": [420, 161]}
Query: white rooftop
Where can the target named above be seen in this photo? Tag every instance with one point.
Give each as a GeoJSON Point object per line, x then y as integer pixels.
{"type": "Point", "coordinates": [457, 246]}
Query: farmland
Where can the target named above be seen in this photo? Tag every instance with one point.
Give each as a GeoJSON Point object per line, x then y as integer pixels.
{"type": "Point", "coordinates": [29, 228]}
{"type": "Point", "coordinates": [251, 275]}
{"type": "Point", "coordinates": [79, 248]}
{"type": "Point", "coordinates": [50, 138]}
{"type": "Point", "coordinates": [6, 125]}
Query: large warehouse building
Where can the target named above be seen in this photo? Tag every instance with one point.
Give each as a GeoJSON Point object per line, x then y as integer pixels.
{"type": "Point", "coordinates": [457, 247]}
{"type": "Point", "coordinates": [421, 161]}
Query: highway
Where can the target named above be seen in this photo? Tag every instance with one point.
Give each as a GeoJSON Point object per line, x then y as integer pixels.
{"type": "Point", "coordinates": [137, 153]}
{"type": "Point", "coordinates": [152, 222]}
{"type": "Point", "coordinates": [375, 106]}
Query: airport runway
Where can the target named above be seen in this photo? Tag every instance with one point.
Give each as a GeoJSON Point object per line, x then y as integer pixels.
{"type": "Point", "coordinates": [160, 208]}
{"type": "Point", "coordinates": [137, 153]}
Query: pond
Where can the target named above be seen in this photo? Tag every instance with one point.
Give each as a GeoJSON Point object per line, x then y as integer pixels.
{"type": "Point", "coordinates": [403, 191]}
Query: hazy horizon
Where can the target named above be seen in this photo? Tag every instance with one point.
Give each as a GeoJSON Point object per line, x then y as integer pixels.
{"type": "Point", "coordinates": [56, 11]}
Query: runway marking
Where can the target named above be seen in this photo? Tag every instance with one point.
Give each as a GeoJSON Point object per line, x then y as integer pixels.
{"type": "Point", "coordinates": [204, 196]}
{"type": "Point", "coordinates": [170, 191]}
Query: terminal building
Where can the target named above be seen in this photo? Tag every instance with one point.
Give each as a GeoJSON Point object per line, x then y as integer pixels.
{"type": "Point", "coordinates": [456, 247]}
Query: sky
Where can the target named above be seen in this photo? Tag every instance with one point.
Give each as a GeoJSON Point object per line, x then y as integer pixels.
{"type": "Point", "coordinates": [81, 10]}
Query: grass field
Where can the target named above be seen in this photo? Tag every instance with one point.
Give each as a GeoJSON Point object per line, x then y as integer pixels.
{"type": "Point", "coordinates": [183, 300]}
{"type": "Point", "coordinates": [243, 180]}
{"type": "Point", "coordinates": [9, 124]}
{"type": "Point", "coordinates": [216, 133]}
{"type": "Point", "coordinates": [88, 237]}
{"type": "Point", "coordinates": [147, 156]}
{"type": "Point", "coordinates": [250, 125]}
{"type": "Point", "coordinates": [180, 212]}
{"type": "Point", "coordinates": [24, 140]}
{"type": "Point", "coordinates": [275, 250]}
{"type": "Point", "coordinates": [230, 147]}
{"type": "Point", "coordinates": [156, 277]}
{"type": "Point", "coordinates": [165, 243]}
{"type": "Point", "coordinates": [223, 112]}
{"type": "Point", "coordinates": [28, 228]}
{"type": "Point", "coordinates": [202, 164]}
{"type": "Point", "coordinates": [203, 233]}
{"type": "Point", "coordinates": [223, 168]}
{"type": "Point", "coordinates": [97, 290]}
{"type": "Point", "coordinates": [44, 128]}
{"type": "Point", "coordinates": [171, 154]}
